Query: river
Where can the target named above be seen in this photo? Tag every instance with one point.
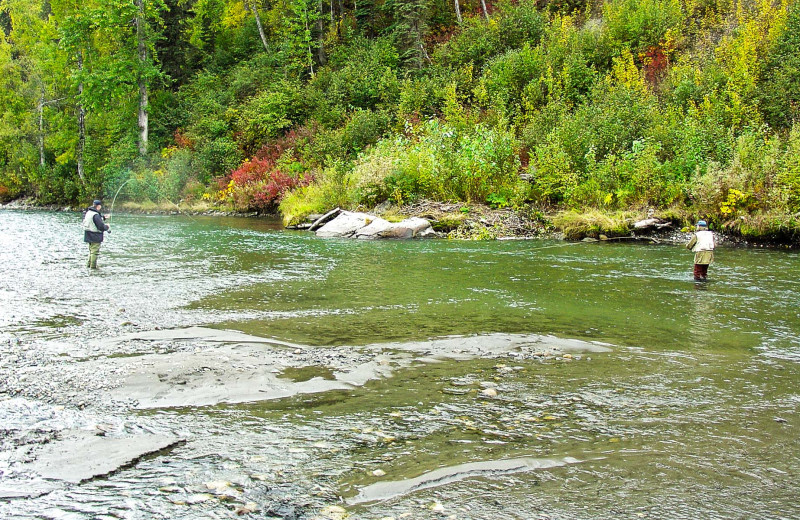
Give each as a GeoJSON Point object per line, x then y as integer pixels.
{"type": "Point", "coordinates": [288, 376]}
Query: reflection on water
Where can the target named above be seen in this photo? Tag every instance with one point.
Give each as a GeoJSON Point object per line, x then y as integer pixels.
{"type": "Point", "coordinates": [693, 415]}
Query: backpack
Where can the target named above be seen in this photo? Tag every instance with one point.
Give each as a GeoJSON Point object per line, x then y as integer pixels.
{"type": "Point", "coordinates": [88, 222]}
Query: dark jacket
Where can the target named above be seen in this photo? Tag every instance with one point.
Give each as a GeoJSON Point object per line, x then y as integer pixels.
{"type": "Point", "coordinates": [94, 237]}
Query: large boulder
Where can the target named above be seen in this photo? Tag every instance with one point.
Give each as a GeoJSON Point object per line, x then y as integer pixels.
{"type": "Point", "coordinates": [374, 229]}
{"type": "Point", "coordinates": [345, 225]}
{"type": "Point", "coordinates": [414, 227]}
{"type": "Point", "coordinates": [364, 226]}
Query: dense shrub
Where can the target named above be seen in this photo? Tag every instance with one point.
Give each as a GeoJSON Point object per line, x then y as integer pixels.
{"type": "Point", "coordinates": [478, 41]}
{"type": "Point", "coordinates": [333, 187]}
{"type": "Point", "coordinates": [637, 25]}
{"type": "Point", "coordinates": [444, 163]}
{"type": "Point", "coordinates": [363, 128]}
{"type": "Point", "coordinates": [267, 114]}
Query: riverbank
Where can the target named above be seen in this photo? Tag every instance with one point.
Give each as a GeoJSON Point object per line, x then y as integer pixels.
{"type": "Point", "coordinates": [462, 221]}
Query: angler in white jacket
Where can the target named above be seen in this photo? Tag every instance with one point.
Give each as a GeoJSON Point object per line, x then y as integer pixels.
{"type": "Point", "coordinates": [702, 244]}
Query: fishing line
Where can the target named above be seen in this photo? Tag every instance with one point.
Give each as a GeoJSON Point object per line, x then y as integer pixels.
{"type": "Point", "coordinates": [154, 186]}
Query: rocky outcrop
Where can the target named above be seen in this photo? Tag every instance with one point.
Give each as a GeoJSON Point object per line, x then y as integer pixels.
{"type": "Point", "coordinates": [348, 224]}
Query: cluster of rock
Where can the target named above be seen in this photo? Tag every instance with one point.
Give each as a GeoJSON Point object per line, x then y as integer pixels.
{"type": "Point", "coordinates": [349, 224]}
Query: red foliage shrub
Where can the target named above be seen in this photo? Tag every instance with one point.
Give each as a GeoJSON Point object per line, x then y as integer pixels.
{"type": "Point", "coordinates": [182, 140]}
{"type": "Point", "coordinates": [291, 140]}
{"type": "Point", "coordinates": [268, 194]}
{"type": "Point", "coordinates": [654, 62]}
{"type": "Point", "coordinates": [252, 170]}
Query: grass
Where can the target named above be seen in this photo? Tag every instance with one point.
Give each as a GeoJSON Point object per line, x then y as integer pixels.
{"type": "Point", "coordinates": [593, 223]}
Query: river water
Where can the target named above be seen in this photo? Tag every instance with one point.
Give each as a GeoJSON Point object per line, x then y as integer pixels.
{"type": "Point", "coordinates": [683, 405]}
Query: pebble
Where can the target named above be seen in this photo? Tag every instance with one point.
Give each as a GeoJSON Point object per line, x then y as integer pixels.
{"type": "Point", "coordinates": [199, 498]}
{"type": "Point", "coordinates": [334, 513]}
{"type": "Point", "coordinates": [489, 392]}
{"type": "Point", "coordinates": [246, 509]}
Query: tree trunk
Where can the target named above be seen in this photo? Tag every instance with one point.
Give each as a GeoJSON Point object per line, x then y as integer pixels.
{"type": "Point", "coordinates": [40, 107]}
{"type": "Point", "coordinates": [310, 51]}
{"type": "Point", "coordinates": [485, 11]}
{"type": "Point", "coordinates": [321, 56]}
{"type": "Point", "coordinates": [81, 124]}
{"type": "Point", "coordinates": [261, 32]}
{"type": "Point", "coordinates": [144, 126]}
{"type": "Point", "coordinates": [458, 11]}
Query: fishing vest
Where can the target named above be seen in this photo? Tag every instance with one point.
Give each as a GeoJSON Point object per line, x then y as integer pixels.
{"type": "Point", "coordinates": [88, 221]}
{"type": "Point", "coordinates": [705, 241]}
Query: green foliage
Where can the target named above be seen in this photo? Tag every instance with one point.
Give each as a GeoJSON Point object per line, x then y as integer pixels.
{"type": "Point", "coordinates": [627, 103]}
{"type": "Point", "coordinates": [266, 115]}
{"type": "Point", "coordinates": [514, 78]}
{"type": "Point", "coordinates": [361, 75]}
{"type": "Point", "coordinates": [479, 41]}
{"type": "Point", "coordinates": [363, 129]}
{"type": "Point", "coordinates": [788, 176]}
{"type": "Point", "coordinates": [779, 97]}
{"type": "Point", "coordinates": [639, 24]}
{"type": "Point", "coordinates": [334, 187]}
{"type": "Point", "coordinates": [444, 163]}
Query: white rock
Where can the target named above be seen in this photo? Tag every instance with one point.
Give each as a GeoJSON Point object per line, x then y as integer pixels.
{"type": "Point", "coordinates": [345, 225]}
{"type": "Point", "coordinates": [490, 392]}
{"type": "Point", "coordinates": [334, 513]}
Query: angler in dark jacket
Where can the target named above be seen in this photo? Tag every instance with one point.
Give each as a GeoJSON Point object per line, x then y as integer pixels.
{"type": "Point", "coordinates": [93, 227]}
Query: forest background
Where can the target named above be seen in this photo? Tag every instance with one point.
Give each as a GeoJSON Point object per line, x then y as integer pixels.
{"type": "Point", "coordinates": [682, 108]}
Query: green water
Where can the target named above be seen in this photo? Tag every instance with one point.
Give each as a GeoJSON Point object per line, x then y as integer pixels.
{"type": "Point", "coordinates": [692, 414]}
{"type": "Point", "coordinates": [628, 294]}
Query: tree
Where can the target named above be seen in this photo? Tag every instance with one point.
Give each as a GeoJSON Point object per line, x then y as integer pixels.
{"type": "Point", "coordinates": [254, 9]}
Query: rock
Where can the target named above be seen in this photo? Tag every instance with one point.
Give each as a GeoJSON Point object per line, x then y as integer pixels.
{"type": "Point", "coordinates": [199, 498]}
{"type": "Point", "coordinates": [437, 507]}
{"type": "Point", "coordinates": [489, 392]}
{"type": "Point", "coordinates": [365, 226]}
{"type": "Point", "coordinates": [246, 509]}
{"type": "Point", "coordinates": [81, 455]}
{"type": "Point", "coordinates": [345, 225]}
{"type": "Point", "coordinates": [413, 227]}
{"type": "Point", "coordinates": [374, 229]}
{"type": "Point", "coordinates": [334, 513]}
{"type": "Point", "coordinates": [220, 487]}
{"type": "Point", "coordinates": [379, 473]}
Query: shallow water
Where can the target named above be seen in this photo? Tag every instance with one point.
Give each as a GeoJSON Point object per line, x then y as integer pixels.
{"type": "Point", "coordinates": [693, 413]}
